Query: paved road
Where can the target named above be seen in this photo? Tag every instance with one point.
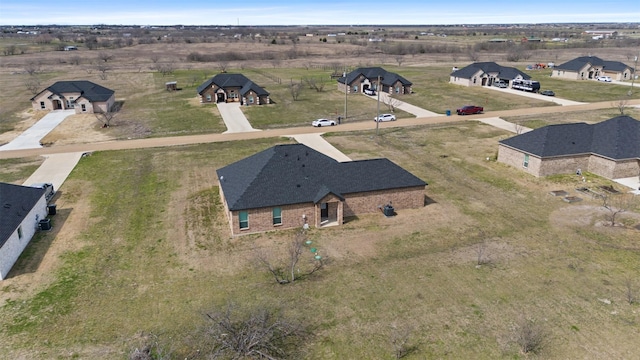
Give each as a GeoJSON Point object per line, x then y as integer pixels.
{"type": "Point", "coordinates": [234, 118]}
{"type": "Point", "coordinates": [30, 138]}
{"type": "Point", "coordinates": [355, 126]}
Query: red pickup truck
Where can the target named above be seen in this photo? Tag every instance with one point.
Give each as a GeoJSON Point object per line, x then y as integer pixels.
{"type": "Point", "coordinates": [470, 109]}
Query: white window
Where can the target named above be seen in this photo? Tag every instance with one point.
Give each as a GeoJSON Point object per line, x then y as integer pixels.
{"type": "Point", "coordinates": [525, 163]}
{"type": "Point", "coordinates": [277, 216]}
{"type": "Point", "coordinates": [42, 105]}
{"type": "Point", "coordinates": [208, 97]}
{"type": "Point", "coordinates": [250, 99]}
{"type": "Point", "coordinates": [84, 107]}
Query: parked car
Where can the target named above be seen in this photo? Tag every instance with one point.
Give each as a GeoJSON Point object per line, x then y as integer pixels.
{"type": "Point", "coordinates": [470, 109]}
{"type": "Point", "coordinates": [369, 91]}
{"type": "Point", "coordinates": [604, 78]}
{"type": "Point", "coordinates": [500, 84]}
{"type": "Point", "coordinates": [323, 122]}
{"type": "Point", "coordinates": [548, 93]}
{"type": "Point", "coordinates": [49, 190]}
{"type": "Point", "coordinates": [385, 117]}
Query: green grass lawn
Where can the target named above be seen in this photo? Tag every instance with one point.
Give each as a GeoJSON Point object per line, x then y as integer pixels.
{"type": "Point", "coordinates": [154, 255]}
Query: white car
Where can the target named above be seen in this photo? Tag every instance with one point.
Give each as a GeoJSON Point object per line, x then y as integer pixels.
{"type": "Point", "coordinates": [323, 122]}
{"type": "Point", "coordinates": [604, 78]}
{"type": "Point", "coordinates": [385, 117]}
{"type": "Point", "coordinates": [370, 92]}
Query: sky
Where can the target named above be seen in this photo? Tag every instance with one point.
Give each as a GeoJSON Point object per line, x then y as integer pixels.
{"type": "Point", "coordinates": [322, 12]}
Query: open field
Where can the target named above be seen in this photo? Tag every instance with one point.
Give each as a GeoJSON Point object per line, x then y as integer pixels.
{"type": "Point", "coordinates": [140, 245]}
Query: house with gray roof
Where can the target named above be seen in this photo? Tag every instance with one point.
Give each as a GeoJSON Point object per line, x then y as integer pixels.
{"type": "Point", "coordinates": [610, 149]}
{"type": "Point", "coordinates": [21, 210]}
{"type": "Point", "coordinates": [292, 185]}
{"type": "Point", "coordinates": [485, 74]}
{"type": "Point", "coordinates": [367, 78]}
{"type": "Point", "coordinates": [82, 95]}
{"type": "Point", "coordinates": [232, 88]}
{"type": "Point", "coordinates": [591, 67]}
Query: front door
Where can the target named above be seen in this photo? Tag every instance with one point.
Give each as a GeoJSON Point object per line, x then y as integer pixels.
{"type": "Point", "coordinates": [324, 211]}
{"type": "Point", "coordinates": [57, 105]}
{"type": "Point", "coordinates": [220, 97]}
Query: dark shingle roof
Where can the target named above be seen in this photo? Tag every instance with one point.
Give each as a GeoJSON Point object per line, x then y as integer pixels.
{"type": "Point", "coordinates": [504, 72]}
{"type": "Point", "coordinates": [233, 80]}
{"type": "Point", "coordinates": [371, 73]}
{"type": "Point", "coordinates": [15, 203]}
{"type": "Point", "coordinates": [90, 91]}
{"type": "Point", "coordinates": [617, 138]}
{"type": "Point", "coordinates": [293, 174]}
{"type": "Point", "coordinates": [579, 62]}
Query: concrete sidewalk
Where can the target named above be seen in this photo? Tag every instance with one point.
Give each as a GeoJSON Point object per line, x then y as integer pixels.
{"type": "Point", "coordinates": [30, 138]}
{"type": "Point", "coordinates": [631, 182]}
{"type": "Point", "coordinates": [318, 143]}
{"type": "Point", "coordinates": [234, 118]}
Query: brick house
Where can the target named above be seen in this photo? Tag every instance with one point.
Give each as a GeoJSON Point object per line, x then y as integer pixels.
{"type": "Point", "coordinates": [22, 208]}
{"type": "Point", "coordinates": [590, 67]}
{"type": "Point", "coordinates": [81, 95]}
{"type": "Point", "coordinates": [485, 74]}
{"type": "Point", "coordinates": [610, 149]}
{"type": "Point", "coordinates": [364, 78]}
{"type": "Point", "coordinates": [232, 88]}
{"type": "Point", "coordinates": [288, 186]}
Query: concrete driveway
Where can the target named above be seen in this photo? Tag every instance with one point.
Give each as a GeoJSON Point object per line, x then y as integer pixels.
{"type": "Point", "coordinates": [554, 99]}
{"type": "Point", "coordinates": [505, 125]}
{"type": "Point", "coordinates": [318, 143]}
{"type": "Point", "coordinates": [411, 109]}
{"type": "Point", "coordinates": [30, 138]}
{"type": "Point", "coordinates": [234, 118]}
{"type": "Point", "coordinates": [55, 169]}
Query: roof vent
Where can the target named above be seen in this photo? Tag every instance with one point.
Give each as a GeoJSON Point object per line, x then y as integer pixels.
{"type": "Point", "coordinates": [298, 185]}
{"type": "Point", "coordinates": [7, 205]}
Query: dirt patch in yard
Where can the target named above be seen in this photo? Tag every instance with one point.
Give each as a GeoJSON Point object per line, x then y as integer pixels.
{"type": "Point", "coordinates": [80, 128]}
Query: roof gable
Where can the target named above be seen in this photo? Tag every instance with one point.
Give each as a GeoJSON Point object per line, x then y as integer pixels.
{"type": "Point", "coordinates": [16, 202]}
{"type": "Point", "coordinates": [233, 80]}
{"type": "Point", "coordinates": [499, 71]}
{"type": "Point", "coordinates": [387, 78]}
{"type": "Point", "coordinates": [293, 174]}
{"type": "Point", "coordinates": [580, 62]}
{"type": "Point", "coordinates": [87, 89]}
{"type": "Point", "coordinates": [617, 138]}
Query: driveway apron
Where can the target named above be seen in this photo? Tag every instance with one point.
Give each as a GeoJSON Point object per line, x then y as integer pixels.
{"type": "Point", "coordinates": [411, 109]}
{"type": "Point", "coordinates": [30, 138]}
{"type": "Point", "coordinates": [318, 143]}
{"type": "Point", "coordinates": [55, 169]}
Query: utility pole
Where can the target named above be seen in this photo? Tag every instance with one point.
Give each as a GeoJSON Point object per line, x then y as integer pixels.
{"type": "Point", "coordinates": [346, 93]}
{"type": "Point", "coordinates": [633, 77]}
{"type": "Point", "coordinates": [378, 117]}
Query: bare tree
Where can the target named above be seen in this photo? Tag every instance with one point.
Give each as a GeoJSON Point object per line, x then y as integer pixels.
{"type": "Point", "coordinates": [223, 66]}
{"type": "Point", "coordinates": [518, 127]}
{"type": "Point", "coordinates": [288, 269]}
{"type": "Point", "coordinates": [473, 55]}
{"type": "Point", "coordinates": [260, 333]}
{"type": "Point", "coordinates": [529, 336]}
{"type": "Point", "coordinates": [295, 89]}
{"type": "Point", "coordinates": [10, 50]}
{"type": "Point", "coordinates": [314, 83]}
{"type": "Point", "coordinates": [103, 69]}
{"type": "Point", "coordinates": [166, 68]}
{"type": "Point", "coordinates": [399, 338]}
{"type": "Point", "coordinates": [106, 117]}
{"type": "Point", "coordinates": [616, 204]}
{"type": "Point", "coordinates": [32, 68]}
{"type": "Point", "coordinates": [391, 102]}
{"type": "Point", "coordinates": [630, 292]}
{"type": "Point", "coordinates": [154, 58]}
{"type": "Point", "coordinates": [75, 60]}
{"type": "Point", "coordinates": [32, 83]}
{"type": "Point", "coordinates": [621, 105]}
{"type": "Point", "coordinates": [105, 56]}
{"type": "Point", "coordinates": [482, 257]}
{"type": "Point", "coordinates": [152, 349]}
{"type": "Point", "coordinates": [399, 59]}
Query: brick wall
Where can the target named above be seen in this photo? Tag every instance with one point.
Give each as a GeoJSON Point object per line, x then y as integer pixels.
{"type": "Point", "coordinates": [370, 202]}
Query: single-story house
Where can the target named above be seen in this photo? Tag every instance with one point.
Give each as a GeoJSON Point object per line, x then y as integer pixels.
{"type": "Point", "coordinates": [81, 95]}
{"type": "Point", "coordinates": [590, 67]}
{"type": "Point", "coordinates": [610, 149]}
{"type": "Point", "coordinates": [485, 74]}
{"type": "Point", "coordinates": [21, 210]}
{"type": "Point", "coordinates": [290, 186]}
{"type": "Point", "coordinates": [364, 78]}
{"type": "Point", "coordinates": [232, 88]}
